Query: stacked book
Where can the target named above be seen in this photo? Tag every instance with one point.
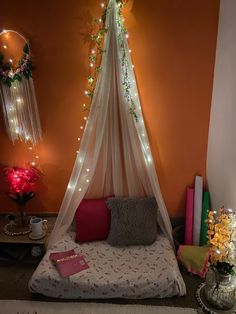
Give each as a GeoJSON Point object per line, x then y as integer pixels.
{"type": "Point", "coordinates": [68, 263]}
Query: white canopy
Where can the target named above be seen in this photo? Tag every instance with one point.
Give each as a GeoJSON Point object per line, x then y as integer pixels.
{"type": "Point", "coordinates": [114, 157]}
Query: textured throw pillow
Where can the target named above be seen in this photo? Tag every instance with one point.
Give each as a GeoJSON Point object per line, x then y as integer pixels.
{"type": "Point", "coordinates": [133, 221]}
{"type": "Point", "coordinates": [92, 220]}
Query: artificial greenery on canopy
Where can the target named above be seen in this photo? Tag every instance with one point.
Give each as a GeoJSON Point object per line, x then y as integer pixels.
{"type": "Point", "coordinates": [96, 55]}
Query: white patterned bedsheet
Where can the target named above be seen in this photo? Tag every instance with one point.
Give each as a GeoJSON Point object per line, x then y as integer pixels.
{"type": "Point", "coordinates": [130, 272]}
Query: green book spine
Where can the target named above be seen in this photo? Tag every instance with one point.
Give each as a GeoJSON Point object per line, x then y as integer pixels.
{"type": "Point", "coordinates": [206, 205]}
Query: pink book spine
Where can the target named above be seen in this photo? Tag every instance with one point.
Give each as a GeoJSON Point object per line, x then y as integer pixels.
{"type": "Point", "coordinates": [189, 216]}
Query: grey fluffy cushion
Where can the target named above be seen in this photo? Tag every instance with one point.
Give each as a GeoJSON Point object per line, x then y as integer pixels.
{"type": "Point", "coordinates": [133, 221]}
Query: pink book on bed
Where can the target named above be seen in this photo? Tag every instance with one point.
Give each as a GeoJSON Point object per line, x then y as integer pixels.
{"type": "Point", "coordinates": [68, 263]}
{"type": "Point", "coordinates": [59, 255]}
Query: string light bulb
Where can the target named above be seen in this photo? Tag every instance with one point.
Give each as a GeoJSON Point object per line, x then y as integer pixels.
{"type": "Point", "coordinates": [93, 52]}
{"type": "Point", "coordinates": [81, 127]}
{"type": "Point", "coordinates": [78, 138]}
{"type": "Point", "coordinates": [127, 35]}
{"type": "Point", "coordinates": [80, 189]}
{"type": "Point", "coordinates": [102, 4]}
{"type": "Point", "coordinates": [87, 169]}
{"type": "Point", "coordinates": [91, 65]}
{"type": "Point", "coordinates": [85, 118]}
{"type": "Point", "coordinates": [10, 60]}
{"type": "Point", "coordinates": [4, 46]}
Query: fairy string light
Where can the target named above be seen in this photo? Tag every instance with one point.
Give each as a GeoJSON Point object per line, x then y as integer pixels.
{"type": "Point", "coordinates": [95, 58]}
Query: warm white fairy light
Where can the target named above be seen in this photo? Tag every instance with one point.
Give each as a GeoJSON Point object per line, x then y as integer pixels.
{"type": "Point", "coordinates": [33, 163]}
{"type": "Point", "coordinates": [27, 138]}
{"type": "Point", "coordinates": [102, 4]}
{"type": "Point", "coordinates": [91, 65]}
{"type": "Point", "coordinates": [79, 138]}
{"type": "Point", "coordinates": [143, 134]}
{"type": "Point", "coordinates": [4, 46]}
{"type": "Point", "coordinates": [87, 169]}
{"type": "Point", "coordinates": [37, 157]}
{"type": "Point", "coordinates": [12, 120]}
{"type": "Point", "coordinates": [81, 127]}
{"type": "Point", "coordinates": [4, 31]}
{"type": "Point", "coordinates": [149, 158]}
{"type": "Point", "coordinates": [130, 50]}
{"type": "Point", "coordinates": [85, 118]}
{"type": "Point", "coordinates": [87, 180]}
{"type": "Point", "coordinates": [135, 94]}
{"type": "Point", "coordinates": [80, 189]}
{"type": "Point", "coordinates": [14, 87]}
{"type": "Point", "coordinates": [86, 92]}
{"type": "Point", "coordinates": [127, 35]}
{"type": "Point", "coordinates": [18, 100]}
{"type": "Point", "coordinates": [93, 52]}
{"type": "Point", "coordinates": [10, 60]}
{"type": "Point", "coordinates": [132, 65]}
{"type": "Point", "coordinates": [30, 148]}
{"type": "Point", "coordinates": [100, 20]}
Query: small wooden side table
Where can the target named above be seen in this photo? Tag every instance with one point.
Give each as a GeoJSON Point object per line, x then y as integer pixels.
{"type": "Point", "coordinates": [14, 245]}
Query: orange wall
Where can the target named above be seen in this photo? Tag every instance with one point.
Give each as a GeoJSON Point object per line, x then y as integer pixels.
{"type": "Point", "coordinates": [173, 45]}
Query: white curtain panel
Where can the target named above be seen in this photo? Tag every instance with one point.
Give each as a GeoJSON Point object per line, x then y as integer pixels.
{"type": "Point", "coordinates": [114, 156]}
{"type": "Point", "coordinates": [20, 111]}
{"type": "Point", "coordinates": [221, 158]}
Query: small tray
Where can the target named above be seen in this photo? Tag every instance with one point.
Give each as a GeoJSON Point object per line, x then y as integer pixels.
{"type": "Point", "coordinates": [206, 306]}
{"type": "Point", "coordinates": [12, 229]}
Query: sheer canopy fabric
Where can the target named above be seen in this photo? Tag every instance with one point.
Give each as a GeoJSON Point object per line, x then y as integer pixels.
{"type": "Point", "coordinates": [20, 111]}
{"type": "Point", "coordinates": [114, 157]}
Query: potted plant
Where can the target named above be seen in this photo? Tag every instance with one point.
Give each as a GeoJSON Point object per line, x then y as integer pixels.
{"type": "Point", "coordinates": [220, 279]}
{"type": "Point", "coordinates": [21, 187]}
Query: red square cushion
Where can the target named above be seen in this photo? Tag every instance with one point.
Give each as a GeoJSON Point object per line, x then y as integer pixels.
{"type": "Point", "coordinates": [92, 220]}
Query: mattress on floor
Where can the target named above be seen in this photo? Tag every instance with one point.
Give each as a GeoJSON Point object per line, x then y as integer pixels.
{"type": "Point", "coordinates": [129, 272]}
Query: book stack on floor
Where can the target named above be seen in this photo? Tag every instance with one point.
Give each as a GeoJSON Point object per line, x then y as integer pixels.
{"type": "Point", "coordinates": [68, 263]}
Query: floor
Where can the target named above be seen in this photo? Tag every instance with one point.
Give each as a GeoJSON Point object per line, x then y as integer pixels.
{"type": "Point", "coordinates": [14, 280]}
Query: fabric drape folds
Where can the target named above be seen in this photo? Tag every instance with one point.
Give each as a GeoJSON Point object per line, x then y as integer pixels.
{"type": "Point", "coordinates": [114, 157]}
{"type": "Point", "coordinates": [20, 111]}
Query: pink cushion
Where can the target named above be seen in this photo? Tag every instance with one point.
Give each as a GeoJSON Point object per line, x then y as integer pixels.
{"type": "Point", "coordinates": [92, 220]}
